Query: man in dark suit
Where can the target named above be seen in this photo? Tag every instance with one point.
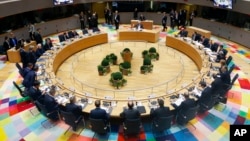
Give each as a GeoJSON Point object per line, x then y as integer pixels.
{"type": "Point", "coordinates": [161, 111]}
{"type": "Point", "coordinates": [130, 113]}
{"type": "Point", "coordinates": [183, 32]}
{"type": "Point", "coordinates": [205, 94]}
{"type": "Point", "coordinates": [99, 113]}
{"type": "Point", "coordinates": [34, 92]}
{"type": "Point", "coordinates": [117, 20]}
{"type": "Point", "coordinates": [164, 21]}
{"type": "Point", "coordinates": [186, 104]}
{"type": "Point", "coordinates": [139, 26]}
{"type": "Point", "coordinates": [196, 37]}
{"type": "Point", "coordinates": [51, 105]}
{"type": "Point", "coordinates": [6, 44]}
{"type": "Point", "coordinates": [38, 36]}
{"type": "Point", "coordinates": [142, 17]}
{"type": "Point", "coordinates": [76, 110]}
{"type": "Point", "coordinates": [27, 69]}
{"type": "Point", "coordinates": [12, 40]}
{"type": "Point", "coordinates": [48, 45]}
{"type": "Point", "coordinates": [30, 78]}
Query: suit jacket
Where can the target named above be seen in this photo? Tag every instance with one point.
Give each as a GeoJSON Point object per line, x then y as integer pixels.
{"type": "Point", "coordinates": [130, 114]}
{"type": "Point", "coordinates": [99, 113]}
{"type": "Point", "coordinates": [164, 20]}
{"type": "Point", "coordinates": [117, 19]}
{"type": "Point", "coordinates": [50, 103]}
{"type": "Point", "coordinates": [38, 38]}
{"type": "Point", "coordinates": [139, 26]}
{"type": "Point", "coordinates": [13, 42]}
{"type": "Point", "coordinates": [29, 79]}
{"type": "Point", "coordinates": [142, 18]}
{"type": "Point", "coordinates": [217, 86]}
{"type": "Point", "coordinates": [205, 95]}
{"type": "Point", "coordinates": [160, 112]}
{"type": "Point", "coordinates": [186, 104]}
{"type": "Point", "coordinates": [75, 109]}
{"type": "Point", "coordinates": [6, 46]}
{"type": "Point", "coordinates": [34, 93]}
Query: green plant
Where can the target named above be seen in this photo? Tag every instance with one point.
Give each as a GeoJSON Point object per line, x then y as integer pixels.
{"type": "Point", "coordinates": [126, 65]}
{"type": "Point", "coordinates": [117, 80]}
{"type": "Point", "coordinates": [100, 68]}
{"type": "Point", "coordinates": [116, 76]}
{"type": "Point", "coordinates": [143, 67]}
{"type": "Point", "coordinates": [144, 53]}
{"type": "Point", "coordinates": [105, 62]}
{"type": "Point", "coordinates": [146, 61]}
{"type": "Point", "coordinates": [152, 50]}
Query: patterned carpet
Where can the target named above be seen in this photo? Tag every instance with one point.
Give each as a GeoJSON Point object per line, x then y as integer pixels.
{"type": "Point", "coordinates": [18, 123]}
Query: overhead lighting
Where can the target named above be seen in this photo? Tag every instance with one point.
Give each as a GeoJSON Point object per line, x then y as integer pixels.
{"type": "Point", "coordinates": [8, 1]}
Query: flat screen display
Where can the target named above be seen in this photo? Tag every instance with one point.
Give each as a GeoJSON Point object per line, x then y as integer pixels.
{"type": "Point", "coordinates": [62, 2]}
{"type": "Point", "coordinates": [227, 4]}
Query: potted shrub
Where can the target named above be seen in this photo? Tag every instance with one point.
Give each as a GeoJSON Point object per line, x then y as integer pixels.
{"type": "Point", "coordinates": [125, 68]}
{"type": "Point", "coordinates": [152, 50]}
{"type": "Point", "coordinates": [101, 70]}
{"type": "Point", "coordinates": [153, 53]}
{"type": "Point", "coordinates": [144, 53]}
{"type": "Point", "coordinates": [105, 64]}
{"type": "Point", "coordinates": [113, 58]}
{"type": "Point", "coordinates": [117, 80]}
{"type": "Point", "coordinates": [143, 69]}
{"type": "Point", "coordinates": [147, 64]}
{"type": "Point", "coordinates": [126, 55]}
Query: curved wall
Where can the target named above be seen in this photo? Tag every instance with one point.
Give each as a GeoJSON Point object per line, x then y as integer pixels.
{"type": "Point", "coordinates": [30, 5]}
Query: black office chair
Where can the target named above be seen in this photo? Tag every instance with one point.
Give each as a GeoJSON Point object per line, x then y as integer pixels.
{"type": "Point", "coordinates": [162, 124]}
{"type": "Point", "coordinates": [229, 86]}
{"type": "Point", "coordinates": [231, 69]}
{"type": "Point", "coordinates": [20, 69]}
{"type": "Point", "coordinates": [45, 113]}
{"type": "Point", "coordinates": [132, 127]}
{"type": "Point", "coordinates": [98, 126]}
{"type": "Point", "coordinates": [207, 104]}
{"type": "Point", "coordinates": [183, 117]}
{"type": "Point", "coordinates": [72, 121]}
{"type": "Point", "coordinates": [229, 59]}
{"type": "Point", "coordinates": [21, 90]}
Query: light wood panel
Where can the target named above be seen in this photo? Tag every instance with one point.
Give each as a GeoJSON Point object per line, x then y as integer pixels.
{"type": "Point", "coordinates": [144, 35]}
{"type": "Point", "coordinates": [203, 32]}
{"type": "Point", "coordinates": [147, 24]}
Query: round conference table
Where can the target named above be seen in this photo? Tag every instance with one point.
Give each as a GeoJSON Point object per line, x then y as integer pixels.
{"type": "Point", "coordinates": [70, 48]}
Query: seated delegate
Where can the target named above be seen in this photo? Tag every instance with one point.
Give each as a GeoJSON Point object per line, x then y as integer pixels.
{"type": "Point", "coordinates": [72, 107]}
{"type": "Point", "coordinates": [30, 78]}
{"type": "Point", "coordinates": [130, 112]}
{"type": "Point", "coordinates": [99, 113]}
{"type": "Point", "coordinates": [139, 26]}
{"type": "Point", "coordinates": [161, 111]}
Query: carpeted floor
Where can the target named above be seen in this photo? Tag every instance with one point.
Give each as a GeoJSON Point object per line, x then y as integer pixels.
{"type": "Point", "coordinates": [18, 123]}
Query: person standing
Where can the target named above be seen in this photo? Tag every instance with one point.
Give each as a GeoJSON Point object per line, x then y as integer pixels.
{"type": "Point", "coordinates": [135, 14]}
{"type": "Point", "coordinates": [110, 17]}
{"type": "Point", "coordinates": [164, 21]}
{"type": "Point", "coordinates": [106, 14]}
{"type": "Point", "coordinates": [89, 16]}
{"type": "Point", "coordinates": [38, 36]}
{"type": "Point", "coordinates": [13, 40]}
{"type": "Point", "coordinates": [82, 20]}
{"type": "Point", "coordinates": [117, 20]}
{"type": "Point", "coordinates": [191, 18]}
{"type": "Point", "coordinates": [31, 31]}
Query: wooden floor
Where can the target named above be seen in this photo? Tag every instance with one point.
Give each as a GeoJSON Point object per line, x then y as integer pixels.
{"type": "Point", "coordinates": [83, 67]}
